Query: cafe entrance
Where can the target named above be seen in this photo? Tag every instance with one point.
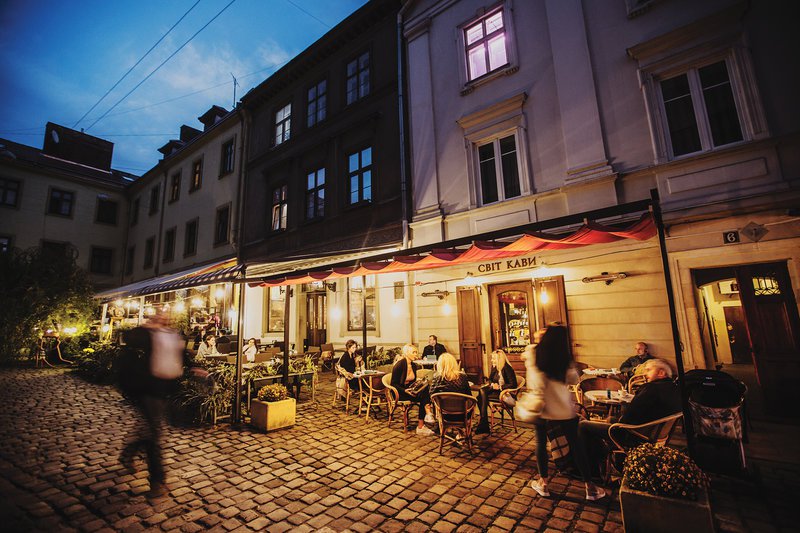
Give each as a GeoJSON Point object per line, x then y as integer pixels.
{"type": "Point", "coordinates": [316, 318]}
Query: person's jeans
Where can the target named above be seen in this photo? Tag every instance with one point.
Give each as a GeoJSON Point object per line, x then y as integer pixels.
{"type": "Point", "coordinates": [423, 398]}
{"type": "Point", "coordinates": [149, 437]}
{"type": "Point", "coordinates": [485, 394]}
{"type": "Point", "coordinates": [576, 448]}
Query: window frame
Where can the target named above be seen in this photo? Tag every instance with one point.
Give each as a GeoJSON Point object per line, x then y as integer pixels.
{"type": "Point", "coordinates": [224, 159]}
{"type": "Point", "coordinates": [49, 208]}
{"type": "Point", "coordinates": [512, 63]}
{"type": "Point", "coordinates": [283, 127]}
{"type": "Point", "coordinates": [196, 223]}
{"type": "Point", "coordinates": [498, 166]}
{"type": "Point", "coordinates": [314, 193]}
{"type": "Point", "coordinates": [3, 190]}
{"type": "Point", "coordinates": [282, 203]}
{"type": "Point", "coordinates": [360, 173]}
{"type": "Point", "coordinates": [196, 180]}
{"type": "Point", "coordinates": [93, 250]}
{"type": "Point", "coordinates": [316, 101]}
{"type": "Point", "coordinates": [175, 186]}
{"type": "Point", "coordinates": [136, 204]}
{"type": "Point", "coordinates": [106, 200]}
{"type": "Point", "coordinates": [280, 309]}
{"type": "Point", "coordinates": [357, 77]}
{"type": "Point", "coordinates": [9, 243]}
{"type": "Point", "coordinates": [155, 200]}
{"type": "Point", "coordinates": [130, 258]}
{"type": "Point", "coordinates": [353, 323]}
{"type": "Point", "coordinates": [149, 252]}
{"type": "Point", "coordinates": [168, 250]}
{"type": "Point", "coordinates": [226, 239]}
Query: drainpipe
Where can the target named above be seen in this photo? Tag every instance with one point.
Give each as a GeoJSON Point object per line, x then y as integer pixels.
{"type": "Point", "coordinates": [662, 243]}
{"type": "Point", "coordinates": [237, 240]}
{"type": "Point", "coordinates": [160, 233]}
{"type": "Point", "coordinates": [401, 123]}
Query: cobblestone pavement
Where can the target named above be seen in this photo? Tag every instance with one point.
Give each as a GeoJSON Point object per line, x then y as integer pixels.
{"type": "Point", "coordinates": [60, 438]}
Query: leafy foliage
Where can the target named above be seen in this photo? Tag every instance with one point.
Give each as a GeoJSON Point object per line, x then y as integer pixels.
{"type": "Point", "coordinates": [96, 361]}
{"type": "Point", "coordinates": [663, 471]}
{"type": "Point", "coordinates": [383, 357]}
{"type": "Point", "coordinates": [41, 290]}
{"type": "Point", "coordinates": [274, 392]}
{"type": "Point", "coordinates": [213, 393]}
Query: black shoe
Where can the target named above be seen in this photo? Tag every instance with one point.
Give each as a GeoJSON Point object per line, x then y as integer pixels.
{"type": "Point", "coordinates": [482, 429]}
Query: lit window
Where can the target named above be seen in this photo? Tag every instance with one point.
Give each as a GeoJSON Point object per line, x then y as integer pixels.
{"type": "Point", "coordinates": [227, 158]}
{"type": "Point", "coordinates": [175, 187]}
{"type": "Point", "coordinates": [315, 194]}
{"type": "Point", "coordinates": [275, 308]}
{"type": "Point", "coordinates": [499, 170]}
{"type": "Point", "coordinates": [358, 78]}
{"type": "Point", "coordinates": [280, 208]}
{"type": "Point", "coordinates": [317, 103]}
{"type": "Point", "coordinates": [283, 124]}
{"type": "Point", "coordinates": [5, 243]}
{"type": "Point", "coordinates": [359, 168]}
{"type": "Point", "coordinates": [197, 175]}
{"type": "Point", "coordinates": [355, 303]}
{"type": "Point", "coordinates": [485, 43]}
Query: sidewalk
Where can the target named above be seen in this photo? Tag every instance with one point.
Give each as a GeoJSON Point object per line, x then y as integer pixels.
{"type": "Point", "coordinates": [60, 438]}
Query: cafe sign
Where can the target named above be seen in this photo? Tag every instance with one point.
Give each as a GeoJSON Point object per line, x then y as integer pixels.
{"type": "Point", "coordinates": [507, 265]}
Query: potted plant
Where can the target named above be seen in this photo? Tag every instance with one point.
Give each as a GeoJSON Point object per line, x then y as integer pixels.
{"type": "Point", "coordinates": [273, 409]}
{"type": "Point", "coordinates": [662, 487]}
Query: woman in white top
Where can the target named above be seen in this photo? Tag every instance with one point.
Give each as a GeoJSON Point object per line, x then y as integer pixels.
{"type": "Point", "coordinates": [550, 369]}
{"type": "Point", "coordinates": [207, 347]}
{"type": "Point", "coordinates": [250, 350]}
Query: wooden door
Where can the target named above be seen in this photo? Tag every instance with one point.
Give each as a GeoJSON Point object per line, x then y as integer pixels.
{"type": "Point", "coordinates": [316, 318]}
{"type": "Point", "coordinates": [512, 312]}
{"type": "Point", "coordinates": [551, 301]}
{"type": "Point", "coordinates": [469, 332]}
{"type": "Point", "coordinates": [773, 327]}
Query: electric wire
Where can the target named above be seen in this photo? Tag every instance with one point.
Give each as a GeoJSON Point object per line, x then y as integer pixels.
{"type": "Point", "coordinates": [135, 65]}
{"type": "Point", "coordinates": [162, 64]}
{"type": "Point", "coordinates": [309, 14]}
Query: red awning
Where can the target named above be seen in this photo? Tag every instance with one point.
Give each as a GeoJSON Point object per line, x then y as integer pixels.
{"type": "Point", "coordinates": [529, 242]}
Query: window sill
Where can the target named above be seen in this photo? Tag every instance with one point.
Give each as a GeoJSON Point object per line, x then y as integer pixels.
{"type": "Point", "coordinates": [225, 174]}
{"type": "Point", "coordinates": [486, 78]}
{"type": "Point", "coordinates": [221, 243]}
{"type": "Point", "coordinates": [172, 201]}
{"type": "Point", "coordinates": [59, 215]}
{"type": "Point", "coordinates": [194, 190]}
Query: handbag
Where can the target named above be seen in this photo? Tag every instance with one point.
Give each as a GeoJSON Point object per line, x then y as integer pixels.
{"type": "Point", "coordinates": [529, 406]}
{"type": "Point", "coordinates": [416, 387]}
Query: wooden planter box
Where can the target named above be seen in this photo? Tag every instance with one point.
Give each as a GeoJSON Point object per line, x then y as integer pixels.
{"type": "Point", "coordinates": [645, 512]}
{"type": "Point", "coordinates": [269, 416]}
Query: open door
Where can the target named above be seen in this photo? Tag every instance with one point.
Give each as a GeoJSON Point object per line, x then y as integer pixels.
{"type": "Point", "coordinates": [512, 308]}
{"type": "Point", "coordinates": [469, 333]}
{"type": "Point", "coordinates": [773, 327]}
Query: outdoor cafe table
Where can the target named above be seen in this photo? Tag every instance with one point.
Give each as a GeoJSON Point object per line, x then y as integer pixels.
{"type": "Point", "coordinates": [605, 372]}
{"type": "Point", "coordinates": [614, 400]}
{"type": "Point", "coordinates": [370, 381]}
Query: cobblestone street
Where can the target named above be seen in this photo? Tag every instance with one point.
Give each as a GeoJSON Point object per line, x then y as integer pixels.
{"type": "Point", "coordinates": [60, 439]}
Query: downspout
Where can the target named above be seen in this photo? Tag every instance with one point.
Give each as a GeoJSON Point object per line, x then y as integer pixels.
{"type": "Point", "coordinates": [401, 124]}
{"type": "Point", "coordinates": [162, 208]}
{"type": "Point", "coordinates": [237, 240]}
{"type": "Point", "coordinates": [662, 243]}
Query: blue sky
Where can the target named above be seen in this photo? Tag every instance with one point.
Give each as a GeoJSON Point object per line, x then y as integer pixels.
{"type": "Point", "coordinates": [59, 57]}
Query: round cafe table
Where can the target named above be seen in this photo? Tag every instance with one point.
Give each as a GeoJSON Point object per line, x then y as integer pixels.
{"type": "Point", "coordinates": [614, 400]}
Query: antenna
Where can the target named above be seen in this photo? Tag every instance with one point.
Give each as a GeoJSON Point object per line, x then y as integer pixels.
{"type": "Point", "coordinates": [235, 83]}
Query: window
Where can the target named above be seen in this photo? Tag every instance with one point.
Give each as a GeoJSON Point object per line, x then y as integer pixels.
{"type": "Point", "coordinates": [106, 211]}
{"type": "Point", "coordinates": [190, 238]}
{"type": "Point", "coordinates": [275, 308]}
{"type": "Point", "coordinates": [5, 243]}
{"type": "Point", "coordinates": [355, 303]}
{"type": "Point", "coordinates": [221, 224]}
{"type": "Point", "coordinates": [499, 170]}
{"type": "Point", "coordinates": [154, 192]}
{"type": "Point", "coordinates": [283, 124]}
{"type": "Point", "coordinates": [700, 109]}
{"type": "Point", "coordinates": [317, 103]}
{"type": "Point", "coordinates": [280, 208]}
{"type": "Point", "coordinates": [226, 158]}
{"type": "Point", "coordinates": [129, 257]}
{"type": "Point", "coordinates": [149, 250]}
{"type": "Point", "coordinates": [485, 43]}
{"type": "Point", "coordinates": [315, 194]}
{"type": "Point", "coordinates": [100, 262]}
{"type": "Point", "coordinates": [175, 187]}
{"type": "Point", "coordinates": [197, 175]}
{"type": "Point", "coordinates": [9, 192]}
{"type": "Point", "coordinates": [135, 211]}
{"type": "Point", "coordinates": [169, 245]}
{"type": "Point", "coordinates": [359, 168]}
{"type": "Point", "coordinates": [358, 78]}
{"type": "Point", "coordinates": [60, 202]}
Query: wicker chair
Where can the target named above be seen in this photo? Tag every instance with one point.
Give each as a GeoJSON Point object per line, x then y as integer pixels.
{"type": "Point", "coordinates": [598, 411]}
{"type": "Point", "coordinates": [372, 393]}
{"type": "Point", "coordinates": [636, 382]}
{"type": "Point", "coordinates": [454, 412]}
{"type": "Point", "coordinates": [500, 406]}
{"type": "Point", "coordinates": [627, 436]}
{"type": "Point", "coordinates": [393, 401]}
{"type": "Point", "coordinates": [347, 391]}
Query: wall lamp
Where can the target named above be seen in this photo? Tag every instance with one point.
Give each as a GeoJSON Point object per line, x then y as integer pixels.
{"type": "Point", "coordinates": [436, 294]}
{"type": "Point", "coordinates": [608, 277]}
{"type": "Point", "coordinates": [330, 285]}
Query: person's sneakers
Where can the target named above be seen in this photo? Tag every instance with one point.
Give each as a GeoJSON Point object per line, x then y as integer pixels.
{"type": "Point", "coordinates": [596, 494]}
{"type": "Point", "coordinates": [429, 418]}
{"type": "Point", "coordinates": [540, 486]}
{"type": "Point", "coordinates": [482, 428]}
{"type": "Point", "coordinates": [424, 430]}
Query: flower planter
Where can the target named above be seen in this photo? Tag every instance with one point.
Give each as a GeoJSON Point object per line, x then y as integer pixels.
{"type": "Point", "coordinates": [645, 512]}
{"type": "Point", "coordinates": [269, 416]}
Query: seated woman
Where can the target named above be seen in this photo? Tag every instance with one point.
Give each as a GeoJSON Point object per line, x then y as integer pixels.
{"type": "Point", "coordinates": [403, 376]}
{"type": "Point", "coordinates": [449, 377]}
{"type": "Point", "coordinates": [250, 351]}
{"type": "Point", "coordinates": [351, 362]}
{"type": "Point", "coordinates": [501, 377]}
{"type": "Point", "coordinates": [207, 347]}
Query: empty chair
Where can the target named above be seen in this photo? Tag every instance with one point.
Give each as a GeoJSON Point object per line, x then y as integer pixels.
{"type": "Point", "coordinates": [455, 411]}
{"type": "Point", "coordinates": [504, 404]}
{"type": "Point", "coordinates": [372, 394]}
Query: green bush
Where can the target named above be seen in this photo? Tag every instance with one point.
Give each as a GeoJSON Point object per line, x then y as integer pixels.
{"type": "Point", "coordinates": [214, 394]}
{"type": "Point", "coordinates": [273, 393]}
{"type": "Point", "coordinates": [96, 361]}
{"type": "Point", "coordinates": [382, 357]}
{"type": "Point", "coordinates": [663, 471]}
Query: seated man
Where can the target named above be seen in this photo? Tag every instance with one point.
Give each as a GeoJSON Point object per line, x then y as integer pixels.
{"type": "Point", "coordinates": [433, 349]}
{"type": "Point", "coordinates": [657, 398]}
{"type": "Point", "coordinates": [629, 366]}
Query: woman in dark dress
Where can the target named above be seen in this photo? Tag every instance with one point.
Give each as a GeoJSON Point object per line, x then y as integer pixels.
{"type": "Point", "coordinates": [351, 362]}
{"type": "Point", "coordinates": [403, 375]}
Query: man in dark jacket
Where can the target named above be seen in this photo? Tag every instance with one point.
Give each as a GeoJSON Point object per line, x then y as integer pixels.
{"type": "Point", "coordinates": [628, 367]}
{"type": "Point", "coordinates": [433, 349]}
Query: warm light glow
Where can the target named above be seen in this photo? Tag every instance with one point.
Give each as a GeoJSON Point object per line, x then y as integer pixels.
{"type": "Point", "coordinates": [470, 279]}
{"type": "Point", "coordinates": [135, 305]}
{"type": "Point", "coordinates": [220, 293]}
{"type": "Point", "coordinates": [335, 313]}
{"type": "Point", "coordinates": [180, 307]}
{"type": "Point", "coordinates": [544, 271]}
{"type": "Point", "coordinates": [149, 310]}
{"type": "Point", "coordinates": [197, 302]}
{"type": "Point", "coordinates": [49, 331]}
{"type": "Point", "coordinates": [165, 308]}
{"type": "Point", "coordinates": [232, 314]}
{"type": "Point", "coordinates": [396, 310]}
{"type": "Point", "coordinates": [106, 327]}
{"type": "Point", "coordinates": [118, 303]}
{"type": "Point", "coordinates": [71, 330]}
{"type": "Point", "coordinates": [543, 296]}
{"type": "Point", "coordinates": [446, 309]}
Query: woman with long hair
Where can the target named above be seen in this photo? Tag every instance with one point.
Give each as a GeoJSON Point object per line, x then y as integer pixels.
{"type": "Point", "coordinates": [501, 377]}
{"type": "Point", "coordinates": [552, 370]}
{"type": "Point", "coordinates": [404, 374]}
{"type": "Point", "coordinates": [448, 376]}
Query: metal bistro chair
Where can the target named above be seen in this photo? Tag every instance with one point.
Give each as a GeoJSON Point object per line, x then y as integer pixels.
{"type": "Point", "coordinates": [393, 401]}
{"type": "Point", "coordinates": [627, 436]}
{"type": "Point", "coordinates": [502, 407]}
{"type": "Point", "coordinates": [372, 394]}
{"type": "Point", "coordinates": [346, 392]}
{"type": "Point", "coordinates": [455, 411]}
